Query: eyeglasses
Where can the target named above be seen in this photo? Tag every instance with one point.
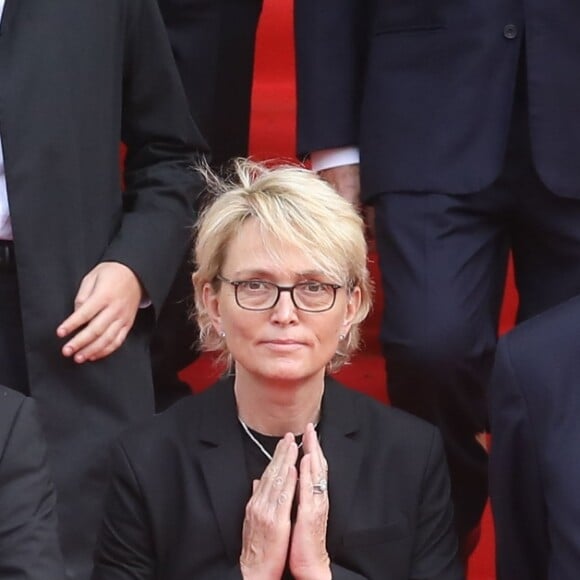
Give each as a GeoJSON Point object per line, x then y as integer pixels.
{"type": "Point", "coordinates": [262, 295]}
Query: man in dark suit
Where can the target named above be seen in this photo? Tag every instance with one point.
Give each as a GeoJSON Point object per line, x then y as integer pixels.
{"type": "Point", "coordinates": [85, 267]}
{"type": "Point", "coordinates": [213, 44]}
{"type": "Point", "coordinates": [29, 545]}
{"type": "Point", "coordinates": [464, 116]}
{"type": "Point", "coordinates": [534, 468]}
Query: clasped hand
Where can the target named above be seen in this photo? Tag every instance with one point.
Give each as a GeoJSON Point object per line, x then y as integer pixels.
{"type": "Point", "coordinates": [269, 539]}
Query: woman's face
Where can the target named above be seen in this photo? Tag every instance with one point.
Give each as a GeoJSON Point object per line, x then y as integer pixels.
{"type": "Point", "coordinates": [282, 343]}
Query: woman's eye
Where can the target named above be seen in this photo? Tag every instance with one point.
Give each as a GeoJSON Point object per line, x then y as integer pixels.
{"type": "Point", "coordinates": [313, 287]}
{"type": "Point", "coordinates": [255, 285]}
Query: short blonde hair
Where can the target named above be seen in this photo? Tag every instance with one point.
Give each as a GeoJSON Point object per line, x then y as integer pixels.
{"type": "Point", "coordinates": [296, 207]}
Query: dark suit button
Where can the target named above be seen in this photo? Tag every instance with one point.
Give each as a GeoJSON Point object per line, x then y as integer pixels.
{"type": "Point", "coordinates": [510, 31]}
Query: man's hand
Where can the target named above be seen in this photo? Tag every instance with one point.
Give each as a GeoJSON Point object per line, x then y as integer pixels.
{"type": "Point", "coordinates": [346, 180]}
{"type": "Point", "coordinates": [104, 311]}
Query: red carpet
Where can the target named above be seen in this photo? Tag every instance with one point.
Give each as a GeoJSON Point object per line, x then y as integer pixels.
{"type": "Point", "coordinates": [273, 136]}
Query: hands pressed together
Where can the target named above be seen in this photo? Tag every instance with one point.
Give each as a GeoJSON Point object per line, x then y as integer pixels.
{"type": "Point", "coordinates": [104, 311]}
{"type": "Point", "coordinates": [269, 538]}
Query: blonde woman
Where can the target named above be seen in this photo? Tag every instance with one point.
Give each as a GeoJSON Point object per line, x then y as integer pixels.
{"type": "Point", "coordinates": [277, 471]}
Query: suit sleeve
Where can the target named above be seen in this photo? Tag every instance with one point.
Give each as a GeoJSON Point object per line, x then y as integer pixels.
{"type": "Point", "coordinates": [330, 54]}
{"type": "Point", "coordinates": [515, 484]}
{"type": "Point", "coordinates": [163, 145]}
{"type": "Point", "coordinates": [29, 546]}
{"type": "Point", "coordinates": [435, 551]}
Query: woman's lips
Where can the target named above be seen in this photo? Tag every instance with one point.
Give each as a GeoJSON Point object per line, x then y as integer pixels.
{"type": "Point", "coordinates": [284, 345]}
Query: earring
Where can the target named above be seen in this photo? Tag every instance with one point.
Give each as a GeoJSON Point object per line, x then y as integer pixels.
{"type": "Point", "coordinates": [341, 337]}
{"type": "Point", "coordinates": [222, 334]}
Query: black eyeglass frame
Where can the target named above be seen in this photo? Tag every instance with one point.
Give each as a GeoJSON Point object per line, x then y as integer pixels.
{"type": "Point", "coordinates": [280, 289]}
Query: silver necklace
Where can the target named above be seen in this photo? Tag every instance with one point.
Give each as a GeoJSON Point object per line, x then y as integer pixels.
{"type": "Point", "coordinates": [258, 444]}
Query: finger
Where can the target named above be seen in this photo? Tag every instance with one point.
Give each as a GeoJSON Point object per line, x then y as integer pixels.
{"type": "Point", "coordinates": [274, 492]}
{"type": "Point", "coordinates": [86, 288]}
{"type": "Point", "coordinates": [79, 318]}
{"type": "Point", "coordinates": [104, 345]}
{"type": "Point", "coordinates": [322, 464]}
{"type": "Point", "coordinates": [273, 468]}
{"type": "Point", "coordinates": [286, 491]}
{"type": "Point", "coordinates": [310, 442]}
{"type": "Point", "coordinates": [312, 446]}
{"type": "Point", "coordinates": [114, 345]}
{"type": "Point", "coordinates": [315, 463]}
{"type": "Point", "coordinates": [305, 483]}
{"type": "Point", "coordinates": [283, 482]}
{"type": "Point", "coordinates": [283, 500]}
{"type": "Point", "coordinates": [91, 333]}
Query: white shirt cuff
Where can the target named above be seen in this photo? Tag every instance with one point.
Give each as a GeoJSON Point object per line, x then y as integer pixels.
{"type": "Point", "coordinates": [329, 158]}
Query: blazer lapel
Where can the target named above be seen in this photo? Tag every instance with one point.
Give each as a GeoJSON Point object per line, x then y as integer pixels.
{"type": "Point", "coordinates": [343, 449]}
{"type": "Point", "coordinates": [224, 466]}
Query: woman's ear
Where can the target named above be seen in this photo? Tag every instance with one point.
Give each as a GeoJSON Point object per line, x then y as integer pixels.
{"type": "Point", "coordinates": [211, 302]}
{"type": "Point", "coordinates": [352, 308]}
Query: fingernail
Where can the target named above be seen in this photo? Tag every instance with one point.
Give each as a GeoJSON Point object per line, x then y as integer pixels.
{"type": "Point", "coordinates": [79, 358]}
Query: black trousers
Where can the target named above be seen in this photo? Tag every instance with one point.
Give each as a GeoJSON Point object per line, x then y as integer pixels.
{"type": "Point", "coordinates": [443, 261]}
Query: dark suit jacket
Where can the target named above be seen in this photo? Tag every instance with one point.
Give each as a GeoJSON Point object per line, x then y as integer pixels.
{"type": "Point", "coordinates": [213, 44]}
{"type": "Point", "coordinates": [535, 466]}
{"type": "Point", "coordinates": [180, 486]}
{"type": "Point", "coordinates": [425, 88]}
{"type": "Point", "coordinates": [76, 78]}
{"type": "Point", "coordinates": [29, 548]}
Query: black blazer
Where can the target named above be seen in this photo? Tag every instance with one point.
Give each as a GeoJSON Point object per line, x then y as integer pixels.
{"type": "Point", "coordinates": [425, 88]}
{"type": "Point", "coordinates": [29, 547]}
{"type": "Point", "coordinates": [535, 468]}
{"type": "Point", "coordinates": [180, 486]}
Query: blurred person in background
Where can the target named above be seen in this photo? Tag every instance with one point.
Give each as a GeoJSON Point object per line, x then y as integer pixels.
{"type": "Point", "coordinates": [84, 263]}
{"type": "Point", "coordinates": [458, 122]}
{"type": "Point", "coordinates": [213, 45]}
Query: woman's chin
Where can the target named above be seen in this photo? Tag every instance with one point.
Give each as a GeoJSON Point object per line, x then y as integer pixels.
{"type": "Point", "coordinates": [285, 371]}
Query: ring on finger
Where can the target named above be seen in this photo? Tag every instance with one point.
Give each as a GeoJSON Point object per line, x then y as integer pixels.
{"type": "Point", "coordinates": [320, 487]}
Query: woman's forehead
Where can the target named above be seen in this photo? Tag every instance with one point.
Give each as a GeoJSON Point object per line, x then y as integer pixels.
{"type": "Point", "coordinates": [255, 251]}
